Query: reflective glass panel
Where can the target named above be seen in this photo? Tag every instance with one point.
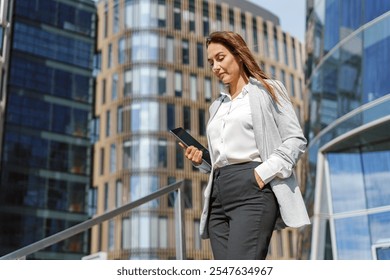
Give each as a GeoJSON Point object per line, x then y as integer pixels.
{"type": "Point", "coordinates": [346, 182]}
{"type": "Point", "coordinates": [353, 238]}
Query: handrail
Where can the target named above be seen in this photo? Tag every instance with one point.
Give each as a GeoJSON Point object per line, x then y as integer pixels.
{"type": "Point", "coordinates": [62, 235]}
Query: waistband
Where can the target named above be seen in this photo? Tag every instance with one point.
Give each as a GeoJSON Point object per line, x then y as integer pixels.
{"type": "Point", "coordinates": [236, 167]}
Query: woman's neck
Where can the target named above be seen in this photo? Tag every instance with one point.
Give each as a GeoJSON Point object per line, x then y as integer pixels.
{"type": "Point", "coordinates": [236, 88]}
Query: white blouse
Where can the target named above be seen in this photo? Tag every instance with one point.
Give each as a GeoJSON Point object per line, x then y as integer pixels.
{"type": "Point", "coordinates": [231, 132]}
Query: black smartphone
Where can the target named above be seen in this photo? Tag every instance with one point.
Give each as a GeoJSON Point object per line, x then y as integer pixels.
{"type": "Point", "coordinates": [186, 138]}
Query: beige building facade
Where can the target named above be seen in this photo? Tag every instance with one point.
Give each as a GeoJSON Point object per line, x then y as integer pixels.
{"type": "Point", "coordinates": [154, 76]}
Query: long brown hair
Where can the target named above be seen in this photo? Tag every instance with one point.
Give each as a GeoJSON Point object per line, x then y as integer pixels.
{"type": "Point", "coordinates": [238, 47]}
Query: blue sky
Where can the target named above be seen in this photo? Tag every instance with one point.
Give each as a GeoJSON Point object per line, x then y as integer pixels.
{"type": "Point", "coordinates": [291, 13]}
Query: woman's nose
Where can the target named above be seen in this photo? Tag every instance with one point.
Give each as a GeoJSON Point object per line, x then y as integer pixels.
{"type": "Point", "coordinates": [216, 67]}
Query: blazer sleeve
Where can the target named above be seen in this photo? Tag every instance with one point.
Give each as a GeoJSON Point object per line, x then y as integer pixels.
{"type": "Point", "coordinates": [286, 136]}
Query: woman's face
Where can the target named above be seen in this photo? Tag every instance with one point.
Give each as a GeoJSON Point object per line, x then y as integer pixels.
{"type": "Point", "coordinates": [224, 64]}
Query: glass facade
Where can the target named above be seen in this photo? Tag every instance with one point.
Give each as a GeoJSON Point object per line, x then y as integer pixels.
{"type": "Point", "coordinates": [154, 62]}
{"type": "Point", "coordinates": [46, 152]}
{"type": "Point", "coordinates": [348, 119]}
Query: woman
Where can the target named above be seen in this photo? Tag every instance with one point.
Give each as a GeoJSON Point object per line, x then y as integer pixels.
{"type": "Point", "coordinates": [255, 141]}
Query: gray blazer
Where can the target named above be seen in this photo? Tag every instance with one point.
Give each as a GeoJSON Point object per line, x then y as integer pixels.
{"type": "Point", "coordinates": [280, 142]}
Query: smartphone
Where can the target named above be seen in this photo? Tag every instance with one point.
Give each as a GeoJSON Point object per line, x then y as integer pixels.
{"type": "Point", "coordinates": [186, 138]}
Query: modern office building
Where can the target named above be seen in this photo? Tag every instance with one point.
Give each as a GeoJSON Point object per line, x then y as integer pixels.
{"type": "Point", "coordinates": [46, 147]}
{"type": "Point", "coordinates": [154, 76]}
{"type": "Point", "coordinates": [348, 189]}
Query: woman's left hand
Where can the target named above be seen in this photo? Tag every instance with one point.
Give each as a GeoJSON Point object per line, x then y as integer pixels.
{"type": "Point", "coordinates": [259, 181]}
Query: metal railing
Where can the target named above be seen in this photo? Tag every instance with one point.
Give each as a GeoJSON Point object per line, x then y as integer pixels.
{"type": "Point", "coordinates": [60, 236]}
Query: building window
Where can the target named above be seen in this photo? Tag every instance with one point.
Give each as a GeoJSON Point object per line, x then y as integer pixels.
{"type": "Point", "coordinates": [255, 38]}
{"type": "Point", "coordinates": [162, 13]}
{"type": "Point", "coordinates": [128, 83]}
{"type": "Point", "coordinates": [231, 20]}
{"type": "Point", "coordinates": [170, 50]}
{"type": "Point", "coordinates": [178, 84]}
{"type": "Point", "coordinates": [185, 52]}
{"type": "Point", "coordinates": [118, 193]}
{"type": "Point", "coordinates": [206, 25]}
{"type": "Point", "coordinates": [276, 44]}
{"type": "Point", "coordinates": [145, 13]}
{"type": "Point", "coordinates": [177, 15]}
{"type": "Point", "coordinates": [265, 34]}
{"type": "Point", "coordinates": [162, 81]}
{"type": "Point", "coordinates": [111, 228]}
{"type": "Point", "coordinates": [126, 154]}
{"type": "Point", "coordinates": [135, 85]}
{"type": "Point", "coordinates": [119, 119]}
{"type": "Point", "coordinates": [273, 72]}
{"type": "Point", "coordinates": [115, 18]}
{"type": "Point", "coordinates": [105, 21]}
{"type": "Point", "coordinates": [199, 51]}
{"type": "Point", "coordinates": [283, 76]}
{"type": "Point", "coordinates": [291, 243]}
{"type": "Point", "coordinates": [219, 17]}
{"type": "Point", "coordinates": [163, 232]}
{"type": "Point", "coordinates": [243, 26]}
{"type": "Point", "coordinates": [171, 116]}
{"type": "Point", "coordinates": [145, 116]}
{"type": "Point", "coordinates": [279, 243]}
{"type": "Point", "coordinates": [187, 118]}
{"type": "Point", "coordinates": [144, 46]}
{"type": "Point", "coordinates": [114, 86]}
{"type": "Point", "coordinates": [108, 124]}
{"type": "Point", "coordinates": [104, 91]}
{"type": "Point", "coordinates": [122, 50]}
{"type": "Point", "coordinates": [285, 49]}
{"type": "Point", "coordinates": [294, 54]}
{"type": "Point", "coordinates": [162, 152]}
{"type": "Point", "coordinates": [109, 56]}
{"type": "Point", "coordinates": [179, 156]}
{"type": "Point", "coordinates": [207, 89]}
{"type": "Point", "coordinates": [193, 87]}
{"type": "Point", "coordinates": [101, 164]}
{"type": "Point", "coordinates": [142, 185]}
{"type": "Point", "coordinates": [292, 85]}
{"type": "Point", "coordinates": [192, 15]}
{"type": "Point", "coordinates": [197, 238]}
{"type": "Point", "coordinates": [112, 158]}
{"type": "Point", "coordinates": [202, 122]}
{"type": "Point", "coordinates": [92, 201]}
{"type": "Point", "coordinates": [95, 129]}
{"type": "Point", "coordinates": [187, 193]}
{"type": "Point", "coordinates": [106, 194]}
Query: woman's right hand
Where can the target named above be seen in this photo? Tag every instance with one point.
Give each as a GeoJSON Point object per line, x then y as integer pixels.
{"type": "Point", "coordinates": [193, 154]}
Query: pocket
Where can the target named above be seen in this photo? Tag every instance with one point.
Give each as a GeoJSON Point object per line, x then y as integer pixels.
{"type": "Point", "coordinates": [255, 181]}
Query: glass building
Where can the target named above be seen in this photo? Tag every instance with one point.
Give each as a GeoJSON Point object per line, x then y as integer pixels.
{"type": "Point", "coordinates": [5, 24]}
{"type": "Point", "coordinates": [46, 148]}
{"type": "Point", "coordinates": [348, 121]}
{"type": "Point", "coordinates": [154, 76]}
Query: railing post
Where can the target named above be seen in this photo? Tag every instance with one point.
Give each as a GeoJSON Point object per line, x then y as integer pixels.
{"type": "Point", "coordinates": [179, 224]}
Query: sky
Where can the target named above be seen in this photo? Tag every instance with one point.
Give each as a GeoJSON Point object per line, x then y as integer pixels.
{"type": "Point", "coordinates": [291, 13]}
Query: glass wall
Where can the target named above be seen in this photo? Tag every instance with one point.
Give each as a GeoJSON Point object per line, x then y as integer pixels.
{"type": "Point", "coordinates": [348, 155]}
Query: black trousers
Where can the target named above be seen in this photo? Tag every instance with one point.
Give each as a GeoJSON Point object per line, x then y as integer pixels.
{"type": "Point", "coordinates": [242, 216]}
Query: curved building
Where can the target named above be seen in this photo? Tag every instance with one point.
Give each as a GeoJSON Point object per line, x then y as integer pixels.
{"type": "Point", "coordinates": [154, 76]}
{"type": "Point", "coordinates": [348, 190]}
